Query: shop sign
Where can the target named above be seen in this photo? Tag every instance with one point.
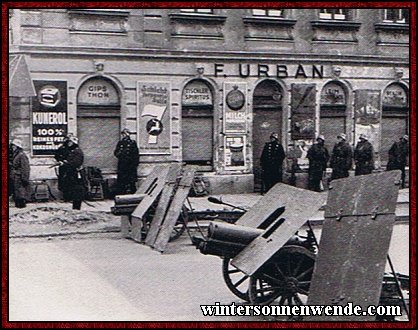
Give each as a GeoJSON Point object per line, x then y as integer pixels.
{"type": "Point", "coordinates": [197, 93]}
{"type": "Point", "coordinates": [395, 96]}
{"type": "Point", "coordinates": [99, 92]}
{"type": "Point", "coordinates": [154, 131]}
{"type": "Point", "coordinates": [235, 152]}
{"type": "Point", "coordinates": [333, 94]}
{"type": "Point", "coordinates": [367, 113]}
{"type": "Point", "coordinates": [303, 111]}
{"type": "Point", "coordinates": [49, 117]}
{"type": "Point", "coordinates": [235, 108]}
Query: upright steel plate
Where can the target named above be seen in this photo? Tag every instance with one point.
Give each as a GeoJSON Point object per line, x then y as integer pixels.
{"type": "Point", "coordinates": [354, 243]}
{"type": "Point", "coordinates": [300, 205]}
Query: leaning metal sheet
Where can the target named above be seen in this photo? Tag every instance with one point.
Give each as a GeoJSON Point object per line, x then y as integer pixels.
{"type": "Point", "coordinates": [300, 205]}
{"type": "Point", "coordinates": [163, 204]}
{"type": "Point", "coordinates": [354, 243]}
{"type": "Point", "coordinates": [174, 210]}
{"type": "Point", "coordinates": [151, 193]}
{"type": "Point", "coordinates": [269, 203]}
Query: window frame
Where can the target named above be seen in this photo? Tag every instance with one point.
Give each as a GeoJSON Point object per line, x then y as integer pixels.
{"type": "Point", "coordinates": [401, 17]}
{"type": "Point", "coordinates": [342, 15]}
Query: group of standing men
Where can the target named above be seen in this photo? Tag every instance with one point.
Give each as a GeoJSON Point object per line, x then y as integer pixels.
{"type": "Point", "coordinates": [72, 176]}
{"type": "Point", "coordinates": [340, 160]}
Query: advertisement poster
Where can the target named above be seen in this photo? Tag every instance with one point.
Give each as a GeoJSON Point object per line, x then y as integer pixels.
{"type": "Point", "coordinates": [235, 107]}
{"type": "Point", "coordinates": [303, 111]}
{"type": "Point", "coordinates": [154, 131]}
{"type": "Point", "coordinates": [49, 117]}
{"type": "Point", "coordinates": [367, 115]}
{"type": "Point", "coordinates": [235, 152]}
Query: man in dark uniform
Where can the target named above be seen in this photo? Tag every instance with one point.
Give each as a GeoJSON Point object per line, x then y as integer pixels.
{"type": "Point", "coordinates": [271, 162]}
{"type": "Point", "coordinates": [398, 156]}
{"type": "Point", "coordinates": [60, 155]}
{"type": "Point", "coordinates": [19, 174]}
{"type": "Point", "coordinates": [341, 158]}
{"type": "Point", "coordinates": [128, 159]}
{"type": "Point", "coordinates": [73, 181]}
{"type": "Point", "coordinates": [318, 158]}
{"type": "Point", "coordinates": [364, 156]}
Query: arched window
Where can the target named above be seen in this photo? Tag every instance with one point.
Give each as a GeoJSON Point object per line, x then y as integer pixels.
{"type": "Point", "coordinates": [395, 116]}
{"type": "Point", "coordinates": [197, 124]}
{"type": "Point", "coordinates": [98, 122]}
{"type": "Point", "coordinates": [267, 118]}
{"type": "Point", "coordinates": [333, 112]}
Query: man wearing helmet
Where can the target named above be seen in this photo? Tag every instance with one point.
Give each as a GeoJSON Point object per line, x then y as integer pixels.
{"type": "Point", "coordinates": [271, 162]}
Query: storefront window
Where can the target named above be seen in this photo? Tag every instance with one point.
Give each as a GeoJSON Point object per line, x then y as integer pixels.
{"type": "Point", "coordinates": [197, 124]}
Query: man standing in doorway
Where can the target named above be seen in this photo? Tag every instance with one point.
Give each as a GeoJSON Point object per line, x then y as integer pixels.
{"type": "Point", "coordinates": [342, 158]}
{"type": "Point", "coordinates": [364, 156]}
{"type": "Point", "coordinates": [398, 156]}
{"type": "Point", "coordinates": [318, 158]}
{"type": "Point", "coordinates": [271, 162]}
{"type": "Point", "coordinates": [127, 153]}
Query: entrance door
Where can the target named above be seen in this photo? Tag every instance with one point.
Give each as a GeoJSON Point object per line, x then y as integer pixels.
{"type": "Point", "coordinates": [98, 123]}
{"type": "Point", "coordinates": [98, 136]}
{"type": "Point", "coordinates": [267, 118]}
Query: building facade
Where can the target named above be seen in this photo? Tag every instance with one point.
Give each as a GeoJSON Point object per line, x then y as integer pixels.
{"type": "Point", "coordinates": [207, 86]}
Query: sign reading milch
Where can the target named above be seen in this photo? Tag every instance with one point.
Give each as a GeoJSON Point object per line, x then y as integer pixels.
{"type": "Point", "coordinates": [49, 117]}
{"type": "Point", "coordinates": [154, 131]}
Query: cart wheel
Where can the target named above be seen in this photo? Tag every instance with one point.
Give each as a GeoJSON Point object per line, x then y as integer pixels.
{"type": "Point", "coordinates": [180, 226]}
{"type": "Point", "coordinates": [287, 275]}
{"type": "Point", "coordinates": [235, 280]}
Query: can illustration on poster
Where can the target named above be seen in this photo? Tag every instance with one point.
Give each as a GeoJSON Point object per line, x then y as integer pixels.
{"type": "Point", "coordinates": [235, 152]}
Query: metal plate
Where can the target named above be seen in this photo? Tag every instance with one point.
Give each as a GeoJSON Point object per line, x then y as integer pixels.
{"type": "Point", "coordinates": [166, 196]}
{"type": "Point", "coordinates": [152, 188]}
{"type": "Point", "coordinates": [300, 205]}
{"type": "Point", "coordinates": [363, 195]}
{"type": "Point", "coordinates": [174, 209]}
{"type": "Point", "coordinates": [353, 249]}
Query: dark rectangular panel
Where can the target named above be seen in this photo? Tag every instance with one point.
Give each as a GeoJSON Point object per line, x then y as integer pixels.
{"type": "Point", "coordinates": [352, 252]}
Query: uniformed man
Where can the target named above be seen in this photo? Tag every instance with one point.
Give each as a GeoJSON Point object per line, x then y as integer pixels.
{"type": "Point", "coordinates": [341, 158]}
{"type": "Point", "coordinates": [19, 174]}
{"type": "Point", "coordinates": [60, 155]}
{"type": "Point", "coordinates": [318, 157]}
{"type": "Point", "coordinates": [73, 180]}
{"type": "Point", "coordinates": [364, 156]}
{"type": "Point", "coordinates": [398, 156]}
{"type": "Point", "coordinates": [271, 162]}
{"type": "Point", "coordinates": [128, 159]}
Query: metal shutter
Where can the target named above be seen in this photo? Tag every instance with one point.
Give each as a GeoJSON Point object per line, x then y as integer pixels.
{"type": "Point", "coordinates": [330, 127]}
{"type": "Point", "coordinates": [197, 135]}
{"type": "Point", "coordinates": [392, 129]}
{"type": "Point", "coordinates": [97, 139]}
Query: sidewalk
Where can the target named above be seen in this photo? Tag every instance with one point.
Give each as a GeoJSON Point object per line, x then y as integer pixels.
{"type": "Point", "coordinates": [56, 218]}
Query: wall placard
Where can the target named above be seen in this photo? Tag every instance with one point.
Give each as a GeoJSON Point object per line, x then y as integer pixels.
{"type": "Point", "coordinates": [303, 111]}
{"type": "Point", "coordinates": [235, 152]}
{"type": "Point", "coordinates": [235, 107]}
{"type": "Point", "coordinates": [49, 117]}
{"type": "Point", "coordinates": [367, 112]}
{"type": "Point", "coordinates": [154, 118]}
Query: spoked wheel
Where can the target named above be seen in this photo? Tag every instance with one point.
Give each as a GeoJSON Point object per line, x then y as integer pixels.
{"type": "Point", "coordinates": [178, 229]}
{"type": "Point", "coordinates": [235, 279]}
{"type": "Point", "coordinates": [287, 277]}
